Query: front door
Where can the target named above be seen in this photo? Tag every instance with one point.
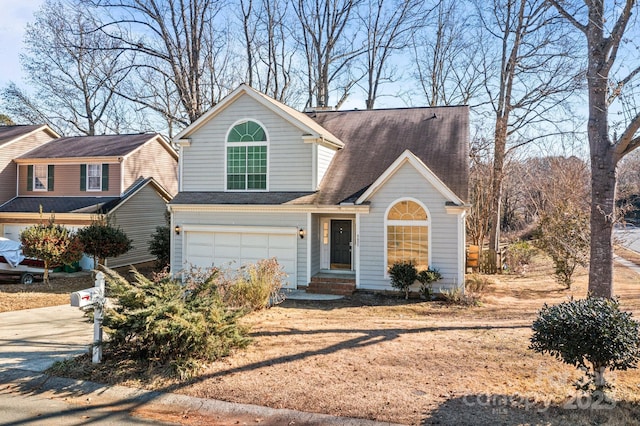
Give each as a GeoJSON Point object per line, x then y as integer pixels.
{"type": "Point", "coordinates": [340, 244]}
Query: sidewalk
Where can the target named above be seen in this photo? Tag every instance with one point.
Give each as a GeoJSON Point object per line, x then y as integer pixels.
{"type": "Point", "coordinates": [32, 340]}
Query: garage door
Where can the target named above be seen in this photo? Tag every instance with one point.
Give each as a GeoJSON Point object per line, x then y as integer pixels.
{"type": "Point", "coordinates": [232, 248]}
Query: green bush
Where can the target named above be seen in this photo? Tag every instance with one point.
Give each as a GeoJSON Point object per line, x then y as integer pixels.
{"type": "Point", "coordinates": [403, 275]}
{"type": "Point", "coordinates": [519, 255]}
{"type": "Point", "coordinates": [51, 243]}
{"type": "Point", "coordinates": [159, 246]}
{"type": "Point", "coordinates": [426, 279]}
{"type": "Point", "coordinates": [167, 322]}
{"type": "Point", "coordinates": [102, 240]}
{"type": "Point", "coordinates": [591, 334]}
{"type": "Point", "coordinates": [256, 286]}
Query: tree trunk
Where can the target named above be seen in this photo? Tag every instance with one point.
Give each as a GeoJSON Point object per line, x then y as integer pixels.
{"type": "Point", "coordinates": [603, 167]}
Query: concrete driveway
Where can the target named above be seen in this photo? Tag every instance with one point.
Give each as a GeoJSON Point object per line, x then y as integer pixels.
{"type": "Point", "coordinates": [33, 339]}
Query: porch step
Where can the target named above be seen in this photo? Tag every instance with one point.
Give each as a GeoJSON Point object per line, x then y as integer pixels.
{"type": "Point", "coordinates": [340, 285]}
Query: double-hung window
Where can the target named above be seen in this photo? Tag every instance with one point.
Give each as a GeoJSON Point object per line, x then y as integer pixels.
{"type": "Point", "coordinates": [247, 157]}
{"type": "Point", "coordinates": [40, 177]}
{"type": "Point", "coordinates": [94, 177]}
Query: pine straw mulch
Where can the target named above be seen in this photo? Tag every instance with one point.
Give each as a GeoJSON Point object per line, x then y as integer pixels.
{"type": "Point", "coordinates": [387, 359]}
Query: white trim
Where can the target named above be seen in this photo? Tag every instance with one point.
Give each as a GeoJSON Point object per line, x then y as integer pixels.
{"type": "Point", "coordinates": [172, 243]}
{"type": "Point", "coordinates": [314, 166]}
{"type": "Point", "coordinates": [17, 180]}
{"type": "Point", "coordinates": [68, 160]}
{"type": "Point", "coordinates": [462, 235]}
{"type": "Point", "coordinates": [408, 157]}
{"type": "Point", "coordinates": [388, 222]}
{"type": "Point", "coordinates": [357, 251]}
{"type": "Point", "coordinates": [245, 144]}
{"type": "Point", "coordinates": [280, 208]}
{"type": "Point", "coordinates": [181, 167]}
{"type": "Point", "coordinates": [249, 229]}
{"type": "Point", "coordinates": [121, 189]}
{"type": "Point", "coordinates": [285, 112]}
{"type": "Point", "coordinates": [308, 236]}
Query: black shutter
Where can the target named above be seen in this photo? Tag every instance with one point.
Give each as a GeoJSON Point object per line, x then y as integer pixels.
{"type": "Point", "coordinates": [83, 177]}
{"type": "Point", "coordinates": [30, 178]}
{"type": "Point", "coordinates": [50, 172]}
{"type": "Point", "coordinates": [105, 177]}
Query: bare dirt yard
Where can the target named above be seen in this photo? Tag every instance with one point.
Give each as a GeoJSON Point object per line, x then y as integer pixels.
{"type": "Point", "coordinates": [383, 358]}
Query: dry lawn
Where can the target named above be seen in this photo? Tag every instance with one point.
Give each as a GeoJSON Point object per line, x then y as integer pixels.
{"type": "Point", "coordinates": [415, 363]}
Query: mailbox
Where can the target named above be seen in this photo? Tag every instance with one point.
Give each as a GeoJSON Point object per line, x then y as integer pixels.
{"type": "Point", "coordinates": [84, 297]}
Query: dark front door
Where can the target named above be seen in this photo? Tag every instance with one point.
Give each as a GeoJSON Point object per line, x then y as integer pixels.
{"type": "Point", "coordinates": [340, 244]}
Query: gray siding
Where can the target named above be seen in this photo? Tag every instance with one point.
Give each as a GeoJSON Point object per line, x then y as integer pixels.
{"type": "Point", "coordinates": [138, 218]}
{"type": "Point", "coordinates": [444, 231]}
{"type": "Point", "coordinates": [289, 158]}
{"type": "Point", "coordinates": [241, 219]}
{"type": "Point", "coordinates": [325, 155]}
{"type": "Point", "coordinates": [8, 169]}
{"type": "Point", "coordinates": [316, 237]}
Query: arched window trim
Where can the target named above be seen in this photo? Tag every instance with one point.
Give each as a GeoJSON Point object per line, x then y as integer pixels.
{"type": "Point", "coordinates": [388, 222]}
{"type": "Point", "coordinates": [238, 144]}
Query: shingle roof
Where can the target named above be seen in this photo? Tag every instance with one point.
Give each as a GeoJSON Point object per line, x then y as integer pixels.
{"type": "Point", "coordinates": [9, 133]}
{"type": "Point", "coordinates": [90, 146]}
{"type": "Point", "coordinates": [76, 204]}
{"type": "Point", "coordinates": [56, 204]}
{"type": "Point", "coordinates": [238, 198]}
{"type": "Point", "coordinates": [373, 139]}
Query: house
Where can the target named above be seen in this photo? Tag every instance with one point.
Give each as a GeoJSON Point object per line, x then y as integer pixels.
{"type": "Point", "coordinates": [15, 141]}
{"type": "Point", "coordinates": [130, 178]}
{"type": "Point", "coordinates": [336, 196]}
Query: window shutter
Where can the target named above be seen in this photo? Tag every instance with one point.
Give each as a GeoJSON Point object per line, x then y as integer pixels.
{"type": "Point", "coordinates": [83, 177]}
{"type": "Point", "coordinates": [29, 178]}
{"type": "Point", "coordinates": [105, 177]}
{"type": "Point", "coordinates": [50, 171]}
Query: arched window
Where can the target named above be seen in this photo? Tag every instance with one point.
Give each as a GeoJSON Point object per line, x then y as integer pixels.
{"type": "Point", "coordinates": [408, 234]}
{"type": "Point", "coordinates": [247, 157]}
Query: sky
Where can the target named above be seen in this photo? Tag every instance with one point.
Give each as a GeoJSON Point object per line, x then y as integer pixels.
{"type": "Point", "coordinates": [13, 20]}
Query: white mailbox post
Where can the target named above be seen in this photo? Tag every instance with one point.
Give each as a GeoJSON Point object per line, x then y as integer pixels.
{"type": "Point", "coordinates": [93, 297]}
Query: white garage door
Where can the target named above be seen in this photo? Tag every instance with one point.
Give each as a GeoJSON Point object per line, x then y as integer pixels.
{"type": "Point", "coordinates": [232, 248]}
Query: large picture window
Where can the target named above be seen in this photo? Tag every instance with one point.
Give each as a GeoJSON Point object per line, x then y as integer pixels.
{"type": "Point", "coordinates": [408, 234]}
{"type": "Point", "coordinates": [247, 157]}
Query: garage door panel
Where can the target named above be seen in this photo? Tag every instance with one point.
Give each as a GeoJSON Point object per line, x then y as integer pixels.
{"type": "Point", "coordinates": [234, 249]}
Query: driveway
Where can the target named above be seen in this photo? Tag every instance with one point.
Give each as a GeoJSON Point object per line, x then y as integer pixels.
{"type": "Point", "coordinates": [629, 237]}
{"type": "Point", "coordinates": [34, 339]}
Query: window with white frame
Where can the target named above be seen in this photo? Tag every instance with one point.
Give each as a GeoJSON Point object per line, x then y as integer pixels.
{"type": "Point", "coordinates": [408, 234]}
{"type": "Point", "coordinates": [94, 177]}
{"type": "Point", "coordinates": [247, 157]}
{"type": "Point", "coordinates": [40, 177]}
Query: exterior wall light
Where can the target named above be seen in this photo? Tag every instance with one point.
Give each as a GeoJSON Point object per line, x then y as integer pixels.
{"type": "Point", "coordinates": [301, 233]}
{"type": "Point", "coordinates": [177, 229]}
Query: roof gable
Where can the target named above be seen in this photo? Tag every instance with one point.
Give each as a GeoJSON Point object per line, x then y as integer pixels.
{"type": "Point", "coordinates": [10, 134]}
{"type": "Point", "coordinates": [407, 157]}
{"type": "Point", "coordinates": [296, 118]}
{"type": "Point", "coordinates": [94, 146]}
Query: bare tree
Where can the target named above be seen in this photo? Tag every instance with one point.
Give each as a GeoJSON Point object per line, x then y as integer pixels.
{"type": "Point", "coordinates": [75, 84]}
{"type": "Point", "coordinates": [388, 25]}
{"type": "Point", "coordinates": [604, 28]}
{"type": "Point", "coordinates": [447, 54]}
{"type": "Point", "coordinates": [174, 40]}
{"type": "Point", "coordinates": [328, 39]}
{"type": "Point", "coordinates": [271, 48]}
{"type": "Point", "coordinates": [536, 74]}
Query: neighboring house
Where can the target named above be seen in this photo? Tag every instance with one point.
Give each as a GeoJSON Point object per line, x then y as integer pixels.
{"type": "Point", "coordinates": [333, 195]}
{"type": "Point", "coordinates": [15, 141]}
{"type": "Point", "coordinates": [128, 177]}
